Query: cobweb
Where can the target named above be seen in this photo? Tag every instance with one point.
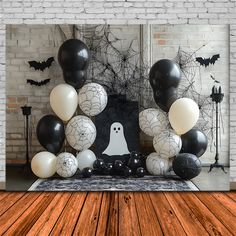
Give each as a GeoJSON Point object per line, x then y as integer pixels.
{"type": "Point", "coordinates": [120, 68]}
{"type": "Point", "coordinates": [191, 87]}
{"type": "Point", "coordinates": [116, 63]}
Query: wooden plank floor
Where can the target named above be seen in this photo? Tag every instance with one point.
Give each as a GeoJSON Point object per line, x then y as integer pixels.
{"type": "Point", "coordinates": [113, 213]}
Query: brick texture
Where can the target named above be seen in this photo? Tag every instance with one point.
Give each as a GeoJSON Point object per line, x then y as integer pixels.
{"type": "Point", "coordinates": [119, 12]}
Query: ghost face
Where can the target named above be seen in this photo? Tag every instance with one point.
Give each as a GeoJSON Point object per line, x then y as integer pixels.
{"type": "Point", "coordinates": [117, 128]}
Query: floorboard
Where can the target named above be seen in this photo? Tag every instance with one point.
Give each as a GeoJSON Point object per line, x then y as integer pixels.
{"type": "Point", "coordinates": [3, 195]}
{"type": "Point", "coordinates": [128, 217]}
{"type": "Point", "coordinates": [219, 210]}
{"type": "Point", "coordinates": [68, 218]}
{"type": "Point", "coordinates": [117, 213]}
{"type": "Point", "coordinates": [103, 216]}
{"type": "Point", "coordinates": [146, 215]}
{"type": "Point", "coordinates": [17, 209]}
{"type": "Point", "coordinates": [88, 220]}
{"type": "Point", "coordinates": [48, 218]}
{"type": "Point", "coordinates": [226, 201]}
{"type": "Point", "coordinates": [187, 217]}
{"type": "Point", "coordinates": [113, 215]}
{"type": "Point", "coordinates": [170, 224]}
{"type": "Point", "coordinates": [8, 201]}
{"type": "Point", "coordinates": [209, 221]}
{"type": "Point", "coordinates": [232, 195]}
{"type": "Point", "coordinates": [24, 223]}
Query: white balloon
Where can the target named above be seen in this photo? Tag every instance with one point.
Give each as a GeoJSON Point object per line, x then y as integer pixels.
{"type": "Point", "coordinates": [152, 121]}
{"type": "Point", "coordinates": [92, 99]}
{"type": "Point", "coordinates": [80, 132]}
{"type": "Point", "coordinates": [157, 165]}
{"type": "Point", "coordinates": [167, 144]}
{"type": "Point", "coordinates": [85, 159]}
{"type": "Point", "coordinates": [66, 164]}
{"type": "Point", "coordinates": [64, 101]}
{"type": "Point", "coordinates": [43, 164]}
{"type": "Point", "coordinates": [183, 115]}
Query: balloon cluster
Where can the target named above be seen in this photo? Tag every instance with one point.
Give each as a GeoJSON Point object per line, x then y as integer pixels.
{"type": "Point", "coordinates": [80, 131]}
{"type": "Point", "coordinates": [182, 116]}
{"type": "Point", "coordinates": [133, 167]}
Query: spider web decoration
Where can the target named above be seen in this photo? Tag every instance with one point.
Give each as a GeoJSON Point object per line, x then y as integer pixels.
{"type": "Point", "coordinates": [191, 87]}
{"type": "Point", "coordinates": [115, 63]}
{"type": "Point", "coordinates": [190, 69]}
{"type": "Point", "coordinates": [121, 70]}
{"type": "Point", "coordinates": [66, 164]}
{"type": "Point", "coordinates": [80, 132]}
{"type": "Point", "coordinates": [167, 144]}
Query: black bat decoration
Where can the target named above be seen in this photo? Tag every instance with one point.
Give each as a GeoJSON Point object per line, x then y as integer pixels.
{"type": "Point", "coordinates": [41, 65]}
{"type": "Point", "coordinates": [36, 83]}
{"type": "Point", "coordinates": [216, 81]}
{"type": "Point", "coordinates": [207, 61]}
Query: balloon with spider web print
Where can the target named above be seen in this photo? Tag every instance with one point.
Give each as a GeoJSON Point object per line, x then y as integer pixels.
{"type": "Point", "coordinates": [80, 132]}
{"type": "Point", "coordinates": [157, 165]}
{"type": "Point", "coordinates": [167, 144]}
{"type": "Point", "coordinates": [66, 164]}
{"type": "Point", "coordinates": [153, 121]}
{"type": "Point", "coordinates": [92, 99]}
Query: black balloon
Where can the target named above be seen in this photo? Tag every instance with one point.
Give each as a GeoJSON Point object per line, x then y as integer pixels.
{"type": "Point", "coordinates": [186, 166]}
{"type": "Point", "coordinates": [50, 133]}
{"type": "Point", "coordinates": [87, 172]}
{"type": "Point", "coordinates": [135, 154]}
{"type": "Point", "coordinates": [75, 78]}
{"type": "Point", "coordinates": [118, 165]}
{"type": "Point", "coordinates": [195, 142]}
{"type": "Point", "coordinates": [140, 172]}
{"type": "Point", "coordinates": [134, 162]}
{"type": "Point", "coordinates": [164, 74]}
{"type": "Point", "coordinates": [108, 168]}
{"type": "Point", "coordinates": [73, 55]}
{"type": "Point", "coordinates": [127, 171]}
{"type": "Point", "coordinates": [99, 165]}
{"type": "Point", "coordinates": [165, 98]}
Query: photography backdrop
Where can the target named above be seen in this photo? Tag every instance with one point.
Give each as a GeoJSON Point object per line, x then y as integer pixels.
{"type": "Point", "coordinates": [118, 12]}
{"type": "Point", "coordinates": [39, 42]}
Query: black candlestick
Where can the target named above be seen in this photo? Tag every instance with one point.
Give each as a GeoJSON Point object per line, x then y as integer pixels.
{"type": "Point", "coordinates": [26, 111]}
{"type": "Point", "coordinates": [217, 97]}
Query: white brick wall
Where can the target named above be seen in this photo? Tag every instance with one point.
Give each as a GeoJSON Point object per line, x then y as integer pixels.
{"type": "Point", "coordinates": [131, 11]}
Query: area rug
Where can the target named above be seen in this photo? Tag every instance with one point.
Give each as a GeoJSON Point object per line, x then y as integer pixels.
{"type": "Point", "coordinates": [111, 183]}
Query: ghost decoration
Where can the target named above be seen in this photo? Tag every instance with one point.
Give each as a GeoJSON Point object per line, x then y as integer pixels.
{"type": "Point", "coordinates": [156, 165]}
{"type": "Point", "coordinates": [92, 99]}
{"type": "Point", "coordinates": [80, 132]}
{"type": "Point", "coordinates": [117, 144]}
